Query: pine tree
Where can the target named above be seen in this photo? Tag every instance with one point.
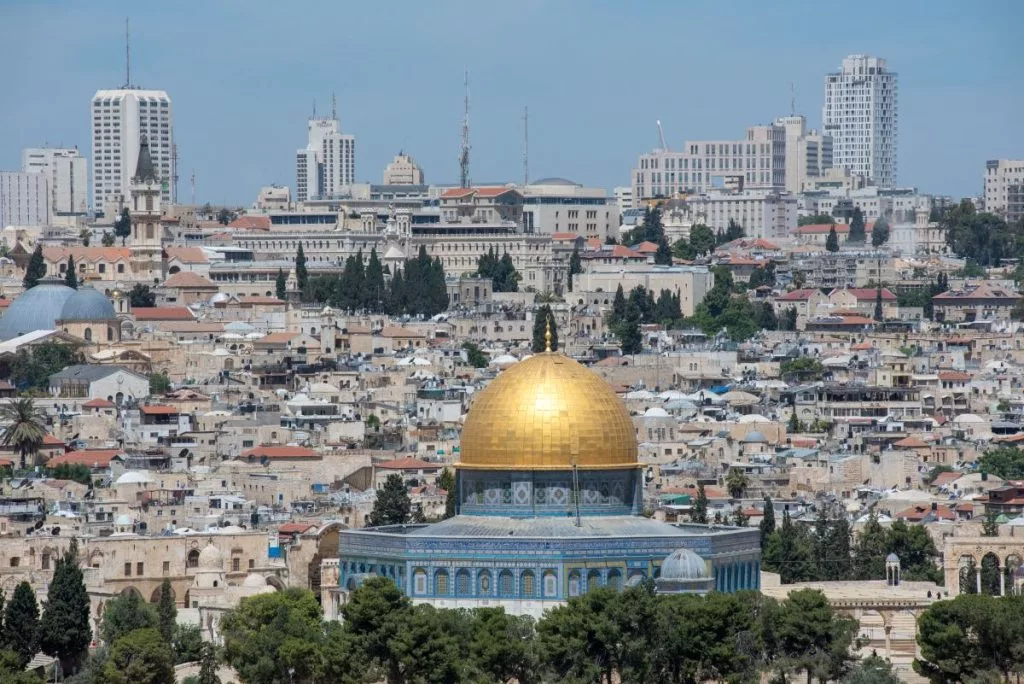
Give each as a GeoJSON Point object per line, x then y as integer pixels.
{"type": "Point", "coordinates": [71, 275]}
{"type": "Point", "coordinates": [628, 330]}
{"type": "Point", "coordinates": [832, 241]}
{"type": "Point", "coordinates": [575, 265]}
{"type": "Point", "coordinates": [21, 624]}
{"type": "Point", "coordinates": [281, 285]}
{"type": "Point", "coordinates": [35, 270]}
{"type": "Point", "coordinates": [167, 611]}
{"type": "Point", "coordinates": [392, 506]}
{"type": "Point", "coordinates": [301, 274]}
{"type": "Point", "coordinates": [857, 233]}
{"type": "Point", "coordinates": [664, 254]}
{"type": "Point", "coordinates": [123, 225]}
{"type": "Point", "coordinates": [64, 630]}
{"type": "Point", "coordinates": [767, 524]}
{"type": "Point", "coordinates": [700, 507]}
{"type": "Point", "coordinates": [208, 665]}
{"type": "Point", "coordinates": [880, 233]}
{"type": "Point", "coordinates": [541, 321]}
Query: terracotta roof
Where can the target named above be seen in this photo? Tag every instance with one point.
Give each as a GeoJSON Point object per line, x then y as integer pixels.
{"type": "Point", "coordinates": [740, 261]}
{"type": "Point", "coordinates": [4, 303]}
{"type": "Point", "coordinates": [861, 346]}
{"type": "Point", "coordinates": [395, 331]}
{"type": "Point", "coordinates": [492, 192]}
{"type": "Point", "coordinates": [162, 313]}
{"type": "Point", "coordinates": [955, 376]}
{"type": "Point", "coordinates": [6, 463]}
{"type": "Point", "coordinates": [247, 222]}
{"type": "Point", "coordinates": [273, 452]}
{"type": "Point", "coordinates": [409, 464]}
{"type": "Point", "coordinates": [454, 193]}
{"type": "Point", "coordinates": [621, 252]}
{"type": "Point", "coordinates": [564, 236]}
{"type": "Point", "coordinates": [799, 295]}
{"type": "Point", "coordinates": [98, 458]}
{"type": "Point", "coordinates": [50, 440]}
{"type": "Point", "coordinates": [187, 255]}
{"type": "Point", "coordinates": [259, 299]}
{"type": "Point", "coordinates": [819, 228]}
{"type": "Point", "coordinates": [646, 247]}
{"type": "Point", "coordinates": [593, 243]}
{"type": "Point", "coordinates": [89, 254]}
{"type": "Point", "coordinates": [98, 403]}
{"type": "Point", "coordinates": [864, 294]}
{"type": "Point", "coordinates": [277, 338]}
{"type": "Point", "coordinates": [920, 512]}
{"type": "Point", "coordinates": [295, 528]}
{"type": "Point", "coordinates": [946, 478]}
{"type": "Point", "coordinates": [188, 279]}
{"type": "Point", "coordinates": [980, 291]}
{"type": "Point", "coordinates": [158, 410]}
{"type": "Point", "coordinates": [911, 443]}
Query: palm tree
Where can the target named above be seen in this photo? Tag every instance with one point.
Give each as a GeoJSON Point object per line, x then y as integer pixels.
{"type": "Point", "coordinates": [25, 427]}
{"type": "Point", "coordinates": [736, 482]}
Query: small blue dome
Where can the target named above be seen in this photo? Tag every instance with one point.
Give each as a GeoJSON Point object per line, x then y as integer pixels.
{"type": "Point", "coordinates": [754, 437]}
{"type": "Point", "coordinates": [38, 308]}
{"type": "Point", "coordinates": [683, 564]}
{"type": "Point", "coordinates": [892, 558]}
{"type": "Point", "coordinates": [88, 304]}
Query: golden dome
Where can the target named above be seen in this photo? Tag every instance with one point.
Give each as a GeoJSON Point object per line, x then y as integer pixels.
{"type": "Point", "coordinates": [548, 412]}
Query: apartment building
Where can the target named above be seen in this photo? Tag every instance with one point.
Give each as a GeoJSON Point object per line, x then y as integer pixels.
{"type": "Point", "coordinates": [66, 172]}
{"type": "Point", "coordinates": [860, 114]}
{"type": "Point", "coordinates": [557, 205]}
{"type": "Point", "coordinates": [808, 152]}
{"type": "Point", "coordinates": [326, 167]}
{"type": "Point", "coordinates": [763, 213]}
{"type": "Point", "coordinates": [1004, 188]}
{"type": "Point", "coordinates": [24, 199]}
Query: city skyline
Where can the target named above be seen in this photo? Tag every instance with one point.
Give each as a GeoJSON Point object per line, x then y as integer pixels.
{"type": "Point", "coordinates": [241, 105]}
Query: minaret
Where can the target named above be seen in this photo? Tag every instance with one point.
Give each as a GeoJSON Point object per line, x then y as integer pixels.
{"type": "Point", "coordinates": [146, 244]}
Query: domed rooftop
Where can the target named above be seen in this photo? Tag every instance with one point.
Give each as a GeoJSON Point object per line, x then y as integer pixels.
{"type": "Point", "coordinates": [554, 180]}
{"type": "Point", "coordinates": [754, 437]}
{"type": "Point", "coordinates": [548, 412]}
{"type": "Point", "coordinates": [211, 558]}
{"type": "Point", "coordinates": [892, 558]}
{"type": "Point", "coordinates": [683, 564]}
{"type": "Point", "coordinates": [253, 580]}
{"type": "Point", "coordinates": [38, 308]}
{"type": "Point", "coordinates": [87, 304]}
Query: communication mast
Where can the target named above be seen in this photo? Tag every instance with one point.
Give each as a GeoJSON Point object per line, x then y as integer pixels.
{"type": "Point", "coordinates": [192, 179]}
{"type": "Point", "coordinates": [661, 136]}
{"type": "Point", "coordinates": [174, 170]}
{"type": "Point", "coordinates": [526, 145]}
{"type": "Point", "coordinates": [464, 153]}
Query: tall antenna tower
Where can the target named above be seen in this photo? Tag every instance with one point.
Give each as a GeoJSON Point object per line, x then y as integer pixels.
{"type": "Point", "coordinates": [174, 170]}
{"type": "Point", "coordinates": [464, 152]}
{"type": "Point", "coordinates": [127, 54]}
{"type": "Point", "coordinates": [334, 106]}
{"type": "Point", "coordinates": [192, 180]}
{"type": "Point", "coordinates": [526, 145]}
{"type": "Point", "coordinates": [792, 99]}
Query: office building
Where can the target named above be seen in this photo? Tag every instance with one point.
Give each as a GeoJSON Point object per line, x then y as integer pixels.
{"type": "Point", "coordinates": [119, 120]}
{"type": "Point", "coordinates": [403, 170]}
{"type": "Point", "coordinates": [66, 172]}
{"type": "Point", "coordinates": [860, 114]}
{"type": "Point", "coordinates": [1004, 188]}
{"type": "Point", "coordinates": [762, 212]}
{"type": "Point", "coordinates": [24, 199]}
{"type": "Point", "coordinates": [557, 205]}
{"type": "Point", "coordinates": [623, 198]}
{"type": "Point", "coordinates": [326, 167]}
{"type": "Point", "coordinates": [758, 161]}
{"type": "Point", "coordinates": [808, 152]}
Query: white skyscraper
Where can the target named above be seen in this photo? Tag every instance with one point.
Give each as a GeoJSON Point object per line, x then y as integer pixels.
{"type": "Point", "coordinates": [119, 120]}
{"type": "Point", "coordinates": [860, 114]}
{"type": "Point", "coordinates": [66, 170]}
{"type": "Point", "coordinates": [326, 167]}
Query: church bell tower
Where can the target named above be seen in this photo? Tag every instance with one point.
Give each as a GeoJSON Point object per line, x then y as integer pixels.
{"type": "Point", "coordinates": [146, 242]}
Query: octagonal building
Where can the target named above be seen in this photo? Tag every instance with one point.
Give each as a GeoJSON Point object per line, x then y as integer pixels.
{"type": "Point", "coordinates": [549, 505]}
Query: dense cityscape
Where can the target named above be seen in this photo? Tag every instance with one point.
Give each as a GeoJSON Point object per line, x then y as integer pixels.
{"type": "Point", "coordinates": [755, 413]}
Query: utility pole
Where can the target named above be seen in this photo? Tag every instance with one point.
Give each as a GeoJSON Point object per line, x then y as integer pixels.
{"type": "Point", "coordinates": [526, 145]}
{"type": "Point", "coordinates": [464, 152]}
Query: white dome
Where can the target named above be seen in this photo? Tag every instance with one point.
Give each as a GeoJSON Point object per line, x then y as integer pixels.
{"type": "Point", "coordinates": [254, 580]}
{"type": "Point", "coordinates": [134, 477]}
{"type": "Point", "coordinates": [655, 412]}
{"type": "Point", "coordinates": [211, 558]}
{"type": "Point", "coordinates": [683, 564]}
{"type": "Point", "coordinates": [123, 520]}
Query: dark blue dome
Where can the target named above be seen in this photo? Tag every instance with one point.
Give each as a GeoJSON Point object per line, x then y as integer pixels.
{"type": "Point", "coordinates": [36, 309]}
{"type": "Point", "coordinates": [88, 304]}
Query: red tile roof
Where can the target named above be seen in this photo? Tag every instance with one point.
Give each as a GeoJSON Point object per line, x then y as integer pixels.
{"type": "Point", "coordinates": [911, 443]}
{"type": "Point", "coordinates": [274, 452]}
{"type": "Point", "coordinates": [955, 376]}
{"type": "Point", "coordinates": [158, 410]}
{"type": "Point", "coordinates": [94, 458]}
{"type": "Point", "coordinates": [187, 255]}
{"type": "Point", "coordinates": [188, 279]}
{"type": "Point", "coordinates": [90, 254]}
{"type": "Point", "coordinates": [799, 295]}
{"type": "Point", "coordinates": [920, 512]}
{"type": "Point", "coordinates": [295, 528]}
{"type": "Point", "coordinates": [162, 313]}
{"type": "Point", "coordinates": [866, 294]}
{"type": "Point", "coordinates": [646, 247]}
{"type": "Point", "coordinates": [564, 236]}
{"type": "Point", "coordinates": [946, 478]}
{"type": "Point", "coordinates": [251, 223]}
{"type": "Point", "coordinates": [98, 403]}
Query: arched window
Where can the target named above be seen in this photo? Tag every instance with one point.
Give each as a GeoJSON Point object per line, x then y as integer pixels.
{"type": "Point", "coordinates": [528, 588]}
{"type": "Point", "coordinates": [419, 586]}
{"type": "Point", "coordinates": [110, 334]}
{"type": "Point", "coordinates": [484, 583]}
{"type": "Point", "coordinates": [192, 560]}
{"type": "Point", "coordinates": [593, 580]}
{"type": "Point", "coordinates": [88, 335]}
{"type": "Point", "coordinates": [615, 580]}
{"type": "Point", "coordinates": [441, 583]}
{"type": "Point", "coordinates": [574, 583]}
{"type": "Point", "coordinates": [463, 587]}
{"type": "Point", "coordinates": [506, 584]}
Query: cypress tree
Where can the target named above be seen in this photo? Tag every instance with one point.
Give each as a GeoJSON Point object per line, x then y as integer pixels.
{"type": "Point", "coordinates": [208, 666]}
{"type": "Point", "coordinates": [64, 630]}
{"type": "Point", "coordinates": [396, 294]}
{"type": "Point", "coordinates": [832, 241]}
{"type": "Point", "coordinates": [857, 234]}
{"type": "Point", "coordinates": [123, 225]}
{"type": "Point", "coordinates": [540, 328]}
{"type": "Point", "coordinates": [575, 265]}
{"type": "Point", "coordinates": [376, 290]}
{"type": "Point", "coordinates": [767, 524]}
{"type": "Point", "coordinates": [618, 307]}
{"type": "Point", "coordinates": [628, 330]}
{"type": "Point", "coordinates": [71, 275]}
{"type": "Point", "coordinates": [21, 624]}
{"type": "Point", "coordinates": [35, 270]}
{"type": "Point", "coordinates": [879, 315]}
{"type": "Point", "coordinates": [281, 285]}
{"type": "Point", "coordinates": [167, 611]}
{"type": "Point", "coordinates": [700, 506]}
{"type": "Point", "coordinates": [301, 274]}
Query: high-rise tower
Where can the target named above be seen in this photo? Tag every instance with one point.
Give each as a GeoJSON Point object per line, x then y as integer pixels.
{"type": "Point", "coordinates": [326, 167]}
{"type": "Point", "coordinates": [860, 114]}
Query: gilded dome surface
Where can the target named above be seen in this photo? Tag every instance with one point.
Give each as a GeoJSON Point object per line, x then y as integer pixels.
{"type": "Point", "coordinates": [548, 412]}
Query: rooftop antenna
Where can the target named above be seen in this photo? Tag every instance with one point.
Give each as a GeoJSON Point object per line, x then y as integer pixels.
{"type": "Point", "coordinates": [792, 99]}
{"type": "Point", "coordinates": [334, 106]}
{"type": "Point", "coordinates": [526, 145]}
{"type": "Point", "coordinates": [464, 153]}
{"type": "Point", "coordinates": [174, 170]}
{"type": "Point", "coordinates": [661, 136]}
{"type": "Point", "coordinates": [127, 54]}
{"type": "Point", "coordinates": [314, 107]}
{"type": "Point", "coordinates": [192, 180]}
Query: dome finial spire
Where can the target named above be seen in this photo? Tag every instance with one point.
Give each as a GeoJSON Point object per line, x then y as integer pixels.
{"type": "Point", "coordinates": [547, 334]}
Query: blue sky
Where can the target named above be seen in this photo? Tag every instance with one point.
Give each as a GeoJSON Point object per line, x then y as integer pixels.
{"type": "Point", "coordinates": [596, 75]}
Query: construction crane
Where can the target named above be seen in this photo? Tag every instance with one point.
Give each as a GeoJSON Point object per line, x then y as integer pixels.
{"type": "Point", "coordinates": [661, 135]}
